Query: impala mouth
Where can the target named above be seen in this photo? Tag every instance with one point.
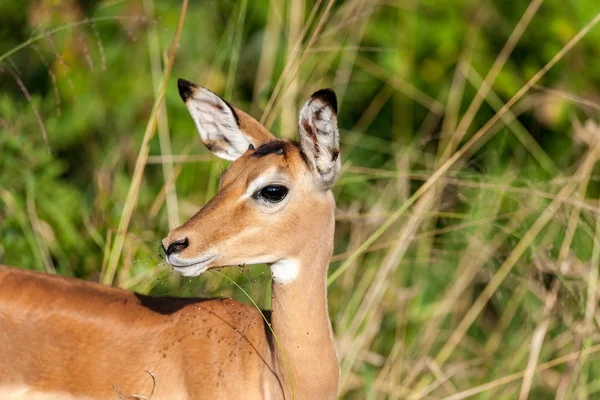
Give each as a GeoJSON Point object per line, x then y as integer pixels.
{"type": "Point", "coordinates": [193, 267]}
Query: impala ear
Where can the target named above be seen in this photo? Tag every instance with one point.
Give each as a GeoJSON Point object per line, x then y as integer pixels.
{"type": "Point", "coordinates": [319, 137]}
{"type": "Point", "coordinates": [225, 130]}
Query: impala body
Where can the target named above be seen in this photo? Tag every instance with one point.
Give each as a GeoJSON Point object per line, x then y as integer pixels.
{"type": "Point", "coordinates": [63, 338]}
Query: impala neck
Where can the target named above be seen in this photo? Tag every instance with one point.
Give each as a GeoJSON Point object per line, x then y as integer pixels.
{"type": "Point", "coordinates": [301, 321]}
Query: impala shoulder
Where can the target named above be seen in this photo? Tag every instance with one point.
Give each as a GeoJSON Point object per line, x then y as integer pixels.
{"type": "Point", "coordinates": [204, 313]}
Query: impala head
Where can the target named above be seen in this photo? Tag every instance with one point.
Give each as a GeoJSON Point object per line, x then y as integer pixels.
{"type": "Point", "coordinates": [274, 200]}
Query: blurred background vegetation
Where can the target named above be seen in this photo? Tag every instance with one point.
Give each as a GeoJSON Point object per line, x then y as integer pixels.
{"type": "Point", "coordinates": [484, 286]}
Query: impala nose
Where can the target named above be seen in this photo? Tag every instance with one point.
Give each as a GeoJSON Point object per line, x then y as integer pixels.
{"type": "Point", "coordinates": [176, 246]}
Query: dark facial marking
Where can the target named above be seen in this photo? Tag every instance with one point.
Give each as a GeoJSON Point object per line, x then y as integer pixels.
{"type": "Point", "coordinates": [272, 147]}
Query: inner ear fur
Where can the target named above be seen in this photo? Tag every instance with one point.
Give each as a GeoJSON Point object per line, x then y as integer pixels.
{"type": "Point", "coordinates": [319, 136]}
{"type": "Point", "coordinates": [225, 130]}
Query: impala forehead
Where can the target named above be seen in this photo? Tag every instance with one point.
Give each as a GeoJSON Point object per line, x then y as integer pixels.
{"type": "Point", "coordinates": [276, 160]}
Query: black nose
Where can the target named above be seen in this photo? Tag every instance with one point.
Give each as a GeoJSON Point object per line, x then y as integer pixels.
{"type": "Point", "coordinates": [176, 246]}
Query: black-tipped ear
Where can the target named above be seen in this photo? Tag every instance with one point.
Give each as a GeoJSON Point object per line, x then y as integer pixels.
{"type": "Point", "coordinates": [185, 88]}
{"type": "Point", "coordinates": [224, 130]}
{"type": "Point", "coordinates": [328, 97]}
{"type": "Point", "coordinates": [319, 137]}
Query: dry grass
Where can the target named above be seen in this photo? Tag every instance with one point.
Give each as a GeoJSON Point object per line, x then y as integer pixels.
{"type": "Point", "coordinates": [140, 163]}
{"type": "Point", "coordinates": [453, 277]}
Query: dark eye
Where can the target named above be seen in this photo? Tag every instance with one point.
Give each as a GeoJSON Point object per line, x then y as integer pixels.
{"type": "Point", "coordinates": [273, 193]}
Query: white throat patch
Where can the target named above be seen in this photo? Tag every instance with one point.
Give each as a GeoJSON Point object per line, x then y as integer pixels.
{"type": "Point", "coordinates": [285, 271]}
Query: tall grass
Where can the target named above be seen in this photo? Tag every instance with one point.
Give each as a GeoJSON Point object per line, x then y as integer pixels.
{"type": "Point", "coordinates": [468, 237]}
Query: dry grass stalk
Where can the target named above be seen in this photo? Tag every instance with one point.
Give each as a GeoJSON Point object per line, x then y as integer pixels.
{"type": "Point", "coordinates": [540, 332]}
{"type": "Point", "coordinates": [37, 230]}
{"type": "Point", "coordinates": [493, 73]}
{"type": "Point", "coordinates": [514, 256]}
{"type": "Point", "coordinates": [36, 112]}
{"type": "Point", "coordinates": [134, 187]}
{"type": "Point", "coordinates": [476, 140]}
{"type": "Point", "coordinates": [569, 96]}
{"type": "Point", "coordinates": [289, 110]}
{"type": "Point", "coordinates": [272, 111]}
{"type": "Point", "coordinates": [268, 55]}
{"type": "Point", "coordinates": [537, 341]}
{"type": "Point", "coordinates": [401, 85]}
{"type": "Point", "coordinates": [519, 375]}
{"type": "Point", "coordinates": [163, 122]}
{"type": "Point", "coordinates": [355, 37]}
{"type": "Point", "coordinates": [293, 56]}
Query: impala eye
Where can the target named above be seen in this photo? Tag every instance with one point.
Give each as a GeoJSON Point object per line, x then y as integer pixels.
{"type": "Point", "coordinates": [273, 193]}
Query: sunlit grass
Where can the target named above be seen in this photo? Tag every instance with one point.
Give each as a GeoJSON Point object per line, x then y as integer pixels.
{"type": "Point", "coordinates": [468, 242]}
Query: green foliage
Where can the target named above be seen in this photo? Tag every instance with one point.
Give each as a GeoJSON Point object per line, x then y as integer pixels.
{"type": "Point", "coordinates": [91, 84]}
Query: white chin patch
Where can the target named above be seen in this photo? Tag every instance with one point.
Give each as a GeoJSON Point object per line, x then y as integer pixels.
{"type": "Point", "coordinates": [192, 270]}
{"type": "Point", "coordinates": [285, 271]}
{"type": "Point", "coordinates": [193, 267]}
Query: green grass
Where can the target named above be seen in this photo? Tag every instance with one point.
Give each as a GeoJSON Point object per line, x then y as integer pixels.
{"type": "Point", "coordinates": [468, 238]}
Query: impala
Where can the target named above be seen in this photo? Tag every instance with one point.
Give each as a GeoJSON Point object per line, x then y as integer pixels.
{"type": "Point", "coordinates": [71, 339]}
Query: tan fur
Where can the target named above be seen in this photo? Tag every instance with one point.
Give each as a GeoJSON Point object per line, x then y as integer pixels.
{"type": "Point", "coordinates": [66, 335]}
{"type": "Point", "coordinates": [253, 128]}
{"type": "Point", "coordinates": [77, 339]}
{"type": "Point", "coordinates": [304, 232]}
